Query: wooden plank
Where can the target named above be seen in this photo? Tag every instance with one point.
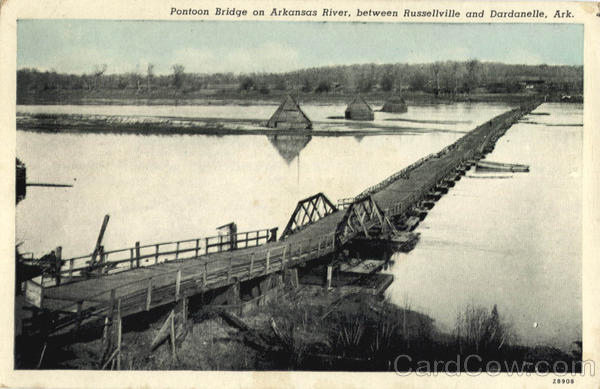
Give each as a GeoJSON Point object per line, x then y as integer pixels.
{"type": "Point", "coordinates": [149, 294]}
{"type": "Point", "coordinates": [177, 284]}
{"type": "Point", "coordinates": [267, 263]}
{"type": "Point", "coordinates": [34, 293]}
{"type": "Point", "coordinates": [173, 337]}
{"type": "Point", "coordinates": [163, 333]}
{"type": "Point", "coordinates": [230, 269]}
{"type": "Point", "coordinates": [251, 264]}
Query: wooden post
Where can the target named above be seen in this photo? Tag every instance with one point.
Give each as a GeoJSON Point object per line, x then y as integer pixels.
{"type": "Point", "coordinates": [173, 337]}
{"type": "Point", "coordinates": [184, 304]}
{"type": "Point", "coordinates": [197, 247]}
{"type": "Point", "coordinates": [177, 284]}
{"type": "Point", "coordinates": [206, 245]}
{"type": "Point", "coordinates": [251, 265]}
{"type": "Point", "coordinates": [319, 247]}
{"type": "Point", "coordinates": [58, 253]}
{"type": "Point", "coordinates": [137, 254]}
{"type": "Point", "coordinates": [119, 334]}
{"type": "Point", "coordinates": [79, 315]}
{"type": "Point", "coordinates": [267, 263]}
{"type": "Point", "coordinates": [285, 248]}
{"type": "Point", "coordinates": [131, 257]}
{"type": "Point", "coordinates": [99, 240]}
{"type": "Point", "coordinates": [329, 276]}
{"type": "Point", "coordinates": [230, 269]}
{"type": "Point", "coordinates": [292, 277]}
{"type": "Point", "coordinates": [113, 294]}
{"type": "Point", "coordinates": [156, 255]}
{"type": "Point", "coordinates": [149, 294]}
{"type": "Point", "coordinates": [177, 251]}
{"type": "Point", "coordinates": [71, 265]}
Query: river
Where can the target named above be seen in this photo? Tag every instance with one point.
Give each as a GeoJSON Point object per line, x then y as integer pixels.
{"type": "Point", "coordinates": [513, 242]}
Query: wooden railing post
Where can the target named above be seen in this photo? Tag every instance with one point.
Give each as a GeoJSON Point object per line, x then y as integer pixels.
{"type": "Point", "coordinates": [177, 251]}
{"type": "Point", "coordinates": [137, 254]}
{"type": "Point", "coordinates": [230, 269]}
{"type": "Point", "coordinates": [71, 265]}
{"type": "Point", "coordinates": [177, 284]}
{"type": "Point", "coordinates": [58, 253]}
{"type": "Point", "coordinates": [267, 262]}
{"type": "Point", "coordinates": [251, 264]}
{"type": "Point", "coordinates": [156, 254]}
{"type": "Point", "coordinates": [149, 294]}
{"type": "Point", "coordinates": [131, 257]}
{"type": "Point", "coordinates": [285, 248]}
{"type": "Point", "coordinates": [206, 245]}
{"type": "Point", "coordinates": [197, 247]}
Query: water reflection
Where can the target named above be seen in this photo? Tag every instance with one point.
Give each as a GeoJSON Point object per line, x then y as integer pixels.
{"type": "Point", "coordinates": [289, 146]}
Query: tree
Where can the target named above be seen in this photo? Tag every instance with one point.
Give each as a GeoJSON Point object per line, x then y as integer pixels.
{"type": "Point", "coordinates": [178, 75]}
{"type": "Point", "coordinates": [264, 89]}
{"type": "Point", "coordinates": [97, 73]}
{"type": "Point", "coordinates": [247, 84]}
{"type": "Point", "coordinates": [436, 77]}
{"type": "Point", "coordinates": [323, 87]}
{"type": "Point", "coordinates": [387, 82]}
{"type": "Point", "coordinates": [306, 86]}
{"type": "Point", "coordinates": [417, 80]}
{"type": "Point", "coordinates": [149, 75]}
{"type": "Point", "coordinates": [472, 76]}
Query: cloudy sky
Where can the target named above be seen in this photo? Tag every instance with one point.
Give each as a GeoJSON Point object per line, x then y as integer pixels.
{"type": "Point", "coordinates": [76, 46]}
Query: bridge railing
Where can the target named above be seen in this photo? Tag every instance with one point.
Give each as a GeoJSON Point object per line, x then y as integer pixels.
{"type": "Point", "coordinates": [158, 289]}
{"type": "Point", "coordinates": [113, 261]}
{"type": "Point", "coordinates": [345, 203]}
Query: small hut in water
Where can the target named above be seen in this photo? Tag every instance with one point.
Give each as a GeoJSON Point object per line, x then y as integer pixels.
{"type": "Point", "coordinates": [395, 104]}
{"type": "Point", "coordinates": [289, 116]}
{"type": "Point", "coordinates": [358, 109]}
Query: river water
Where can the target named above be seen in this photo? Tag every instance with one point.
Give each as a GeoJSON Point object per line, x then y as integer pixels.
{"type": "Point", "coordinates": [512, 242]}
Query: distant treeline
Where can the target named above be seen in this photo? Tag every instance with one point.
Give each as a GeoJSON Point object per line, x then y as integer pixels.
{"type": "Point", "coordinates": [439, 78]}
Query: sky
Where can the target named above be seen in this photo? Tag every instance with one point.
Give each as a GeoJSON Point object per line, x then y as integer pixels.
{"type": "Point", "coordinates": [77, 46]}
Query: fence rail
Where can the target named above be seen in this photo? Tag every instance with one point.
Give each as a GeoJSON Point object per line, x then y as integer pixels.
{"type": "Point", "coordinates": [113, 261]}
{"type": "Point", "coordinates": [212, 271]}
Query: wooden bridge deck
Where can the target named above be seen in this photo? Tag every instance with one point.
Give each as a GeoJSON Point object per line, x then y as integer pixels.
{"type": "Point", "coordinates": [144, 287]}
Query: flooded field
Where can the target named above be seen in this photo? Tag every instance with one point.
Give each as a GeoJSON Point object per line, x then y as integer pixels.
{"type": "Point", "coordinates": [512, 242]}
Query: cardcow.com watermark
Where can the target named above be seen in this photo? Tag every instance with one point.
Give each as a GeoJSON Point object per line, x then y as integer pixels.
{"type": "Point", "coordinates": [473, 365]}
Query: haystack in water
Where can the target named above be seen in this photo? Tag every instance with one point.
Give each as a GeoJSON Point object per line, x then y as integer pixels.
{"type": "Point", "coordinates": [289, 116]}
{"type": "Point", "coordinates": [358, 109]}
{"type": "Point", "coordinates": [395, 104]}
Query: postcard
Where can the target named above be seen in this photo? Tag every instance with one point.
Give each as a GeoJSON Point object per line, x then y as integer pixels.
{"type": "Point", "coordinates": [299, 194]}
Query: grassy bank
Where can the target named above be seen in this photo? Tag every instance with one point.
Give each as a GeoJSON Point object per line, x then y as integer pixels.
{"type": "Point", "coordinates": [319, 331]}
